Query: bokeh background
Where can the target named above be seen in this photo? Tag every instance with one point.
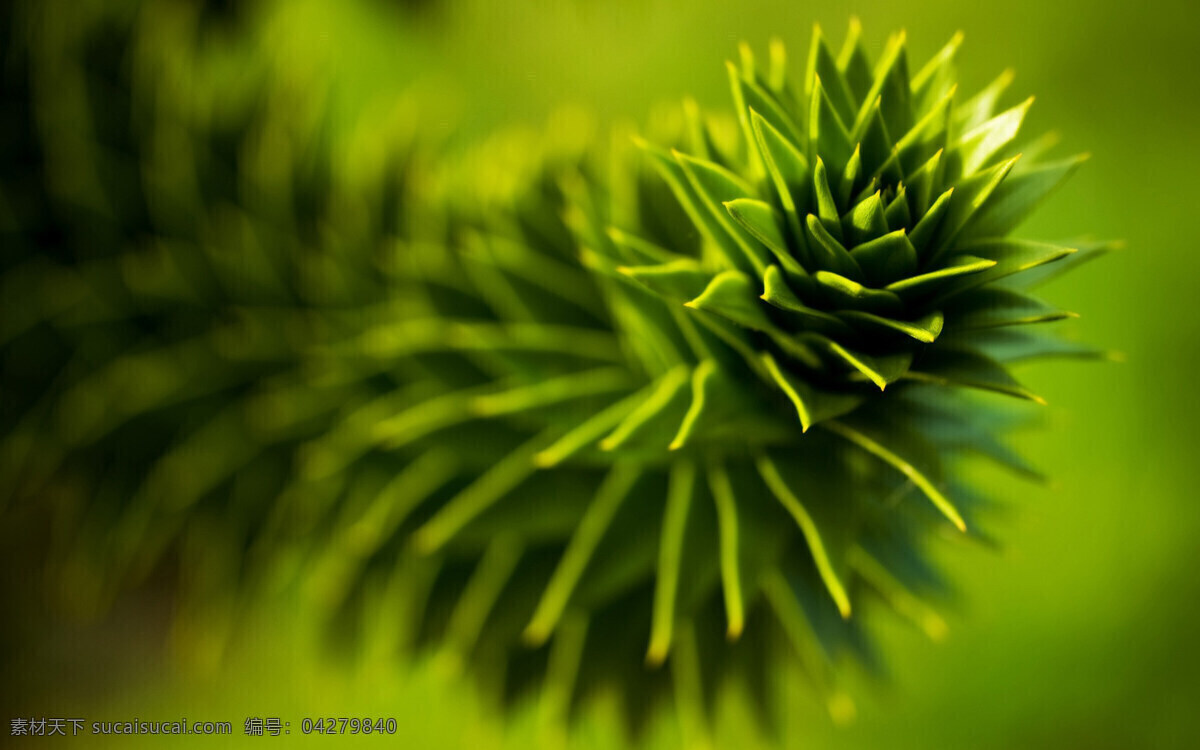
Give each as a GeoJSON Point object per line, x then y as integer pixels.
{"type": "Point", "coordinates": [1079, 631]}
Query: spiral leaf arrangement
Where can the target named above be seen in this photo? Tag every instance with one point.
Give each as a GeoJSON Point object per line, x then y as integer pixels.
{"type": "Point", "coordinates": [573, 410]}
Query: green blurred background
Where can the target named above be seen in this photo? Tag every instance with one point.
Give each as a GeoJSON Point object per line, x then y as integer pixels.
{"type": "Point", "coordinates": [1078, 632]}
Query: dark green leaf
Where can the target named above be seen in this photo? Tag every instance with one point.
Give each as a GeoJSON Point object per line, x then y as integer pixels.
{"type": "Point", "coordinates": [1018, 195]}
{"type": "Point", "coordinates": [733, 295]}
{"type": "Point", "coordinates": [846, 293]}
{"type": "Point", "coordinates": [886, 258]}
{"type": "Point", "coordinates": [680, 280]}
{"type": "Point", "coordinates": [925, 329]}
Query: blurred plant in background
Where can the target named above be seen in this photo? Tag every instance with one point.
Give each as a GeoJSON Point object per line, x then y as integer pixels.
{"type": "Point", "coordinates": [183, 227]}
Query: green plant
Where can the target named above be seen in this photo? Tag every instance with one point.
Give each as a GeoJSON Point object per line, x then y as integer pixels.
{"type": "Point", "coordinates": [581, 413]}
{"type": "Point", "coordinates": [786, 324]}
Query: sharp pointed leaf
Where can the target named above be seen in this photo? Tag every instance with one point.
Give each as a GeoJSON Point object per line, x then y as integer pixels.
{"type": "Point", "coordinates": [886, 258]}
{"type": "Point", "coordinates": [777, 293]}
{"type": "Point", "coordinates": [1009, 257]}
{"type": "Point", "coordinates": [995, 306]}
{"type": "Point", "coordinates": [865, 222]}
{"type": "Point", "coordinates": [977, 146]}
{"type": "Point", "coordinates": [830, 567]}
{"type": "Point", "coordinates": [717, 186]}
{"type": "Point", "coordinates": [678, 280]}
{"type": "Point", "coordinates": [976, 110]}
{"type": "Point", "coordinates": [969, 196]}
{"type": "Point", "coordinates": [1018, 195]}
{"type": "Point", "coordinates": [670, 554]}
{"type": "Point", "coordinates": [897, 213]}
{"type": "Point", "coordinates": [827, 134]}
{"type": "Point", "coordinates": [592, 528]}
{"type": "Point", "coordinates": [812, 405]}
{"type": "Point", "coordinates": [789, 172]}
{"type": "Point", "coordinates": [923, 233]}
{"type": "Point", "coordinates": [942, 279]}
{"type": "Point", "coordinates": [828, 252]}
{"type": "Point", "coordinates": [903, 456]}
{"type": "Point", "coordinates": [853, 63]}
{"type": "Point", "coordinates": [969, 369]}
{"type": "Point", "coordinates": [763, 223]}
{"type": "Point", "coordinates": [880, 370]}
{"type": "Point", "coordinates": [841, 292]}
{"type": "Point", "coordinates": [925, 329]}
{"type": "Point", "coordinates": [734, 296]}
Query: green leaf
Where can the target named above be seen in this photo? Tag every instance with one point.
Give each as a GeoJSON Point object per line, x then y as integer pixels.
{"type": "Point", "coordinates": [957, 422]}
{"type": "Point", "coordinates": [896, 594]}
{"type": "Point", "coordinates": [1009, 257]}
{"type": "Point", "coordinates": [898, 214]}
{"type": "Point", "coordinates": [717, 186]}
{"type": "Point", "coordinates": [489, 579]}
{"type": "Point", "coordinates": [929, 131]}
{"type": "Point", "coordinates": [777, 293]}
{"type": "Point", "coordinates": [750, 96]}
{"type": "Point", "coordinates": [892, 84]}
{"type": "Point", "coordinates": [592, 527]}
{"type": "Point", "coordinates": [1018, 195]}
{"type": "Point", "coordinates": [592, 429]}
{"type": "Point", "coordinates": [976, 147]}
{"type": "Point", "coordinates": [682, 279]}
{"type": "Point", "coordinates": [762, 222]}
{"type": "Point", "coordinates": [784, 602]}
{"type": "Point", "coordinates": [562, 667]}
{"type": "Point", "coordinates": [880, 370]}
{"type": "Point", "coordinates": [777, 66]}
{"type": "Point", "coordinates": [735, 337]}
{"type": "Point", "coordinates": [846, 293]}
{"type": "Point", "coordinates": [994, 307]}
{"type": "Point", "coordinates": [853, 63]}
{"type": "Point", "coordinates": [850, 176]}
{"type": "Point", "coordinates": [670, 555]}
{"type": "Point", "coordinates": [639, 252]}
{"type": "Point", "coordinates": [925, 329]}
{"type": "Point", "coordinates": [828, 252]}
{"type": "Point", "coordinates": [969, 196]}
{"type": "Point", "coordinates": [727, 523]}
{"type": "Point", "coordinates": [788, 170]}
{"type": "Point", "coordinates": [886, 258]}
{"type": "Point", "coordinates": [868, 190]}
{"type": "Point", "coordinates": [1086, 251]}
{"type": "Point", "coordinates": [875, 143]}
{"type": "Point", "coordinates": [697, 137]}
{"type": "Point", "coordinates": [488, 489]}
{"type": "Point", "coordinates": [827, 209]}
{"type": "Point", "coordinates": [827, 134]}
{"type": "Point", "coordinates": [1008, 345]}
{"type": "Point", "coordinates": [656, 406]}
{"type": "Point", "coordinates": [910, 446]}
{"type": "Point", "coordinates": [823, 70]}
{"type": "Point", "coordinates": [812, 405]}
{"type": "Point", "coordinates": [937, 75]}
{"type": "Point", "coordinates": [924, 232]}
{"type": "Point", "coordinates": [734, 296]}
{"type": "Point", "coordinates": [704, 219]}
{"type": "Point", "coordinates": [548, 392]}
{"type": "Point", "coordinates": [830, 568]}
{"type": "Point", "coordinates": [924, 184]}
{"type": "Point", "coordinates": [969, 369]}
{"type": "Point", "coordinates": [865, 222]}
{"type": "Point", "coordinates": [941, 279]}
{"type": "Point", "coordinates": [706, 378]}
{"type": "Point", "coordinates": [976, 110]}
